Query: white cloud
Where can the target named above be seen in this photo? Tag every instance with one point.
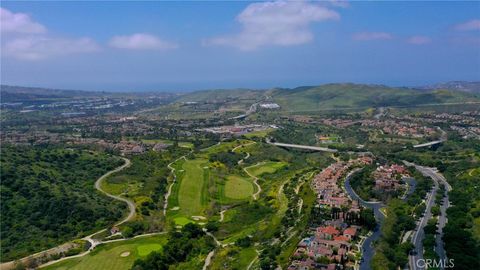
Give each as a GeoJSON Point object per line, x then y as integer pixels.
{"type": "Point", "coordinates": [25, 39]}
{"type": "Point", "coordinates": [141, 41]}
{"type": "Point", "coordinates": [275, 23]}
{"type": "Point", "coordinates": [19, 23]}
{"type": "Point", "coordinates": [339, 3]}
{"type": "Point", "coordinates": [41, 47]}
{"type": "Point", "coordinates": [471, 25]}
{"type": "Point", "coordinates": [419, 40]}
{"type": "Point", "coordinates": [367, 36]}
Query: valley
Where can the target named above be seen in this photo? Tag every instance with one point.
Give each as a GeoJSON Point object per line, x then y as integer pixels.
{"type": "Point", "coordinates": [328, 178]}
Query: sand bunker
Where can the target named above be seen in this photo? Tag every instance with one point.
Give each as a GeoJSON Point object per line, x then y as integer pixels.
{"type": "Point", "coordinates": [125, 254]}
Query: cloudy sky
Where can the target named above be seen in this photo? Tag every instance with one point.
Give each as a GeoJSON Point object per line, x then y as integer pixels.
{"type": "Point", "coordinates": [197, 45]}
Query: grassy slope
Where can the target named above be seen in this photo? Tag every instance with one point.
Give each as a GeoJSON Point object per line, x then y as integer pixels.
{"type": "Point", "coordinates": [331, 96]}
{"type": "Point", "coordinates": [48, 197]}
{"type": "Point", "coordinates": [267, 167]}
{"type": "Point", "coordinates": [238, 187]}
{"type": "Point", "coordinates": [190, 193]}
{"type": "Point", "coordinates": [107, 256]}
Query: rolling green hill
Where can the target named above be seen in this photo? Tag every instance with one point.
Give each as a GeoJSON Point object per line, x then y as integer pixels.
{"type": "Point", "coordinates": [332, 96]}
{"type": "Point", "coordinates": [345, 96]}
{"type": "Point", "coordinates": [48, 198]}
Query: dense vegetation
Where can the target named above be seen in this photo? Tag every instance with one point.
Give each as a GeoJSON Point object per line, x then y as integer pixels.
{"type": "Point", "coordinates": [145, 182]}
{"type": "Point", "coordinates": [456, 159]}
{"type": "Point", "coordinates": [390, 252]}
{"type": "Point", "coordinates": [47, 197]}
{"type": "Point", "coordinates": [181, 250]}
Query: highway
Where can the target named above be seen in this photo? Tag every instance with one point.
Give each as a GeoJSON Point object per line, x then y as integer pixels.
{"type": "Point", "coordinates": [419, 234]}
{"type": "Point", "coordinates": [306, 147]}
{"type": "Point", "coordinates": [443, 138]}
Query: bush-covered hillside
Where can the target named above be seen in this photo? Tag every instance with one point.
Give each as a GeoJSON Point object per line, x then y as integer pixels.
{"type": "Point", "coordinates": [48, 197]}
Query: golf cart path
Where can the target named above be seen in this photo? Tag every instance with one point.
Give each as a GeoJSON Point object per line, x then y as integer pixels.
{"type": "Point", "coordinates": [93, 242]}
{"type": "Point", "coordinates": [167, 195]}
{"type": "Point", "coordinates": [255, 180]}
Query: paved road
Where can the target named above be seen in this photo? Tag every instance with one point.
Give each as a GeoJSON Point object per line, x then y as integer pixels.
{"type": "Point", "coordinates": [169, 191]}
{"type": "Point", "coordinates": [66, 246]}
{"type": "Point", "coordinates": [130, 203]}
{"type": "Point", "coordinates": [255, 181]}
{"type": "Point", "coordinates": [443, 138]}
{"type": "Point", "coordinates": [419, 234]}
{"type": "Point", "coordinates": [307, 147]}
{"type": "Point", "coordinates": [367, 247]}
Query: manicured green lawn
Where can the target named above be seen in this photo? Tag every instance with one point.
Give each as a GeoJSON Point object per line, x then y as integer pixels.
{"type": "Point", "coordinates": [191, 187]}
{"type": "Point", "coordinates": [237, 187]}
{"type": "Point", "coordinates": [107, 256]}
{"type": "Point", "coordinates": [182, 221]}
{"type": "Point", "coordinates": [267, 167]}
{"type": "Point", "coordinates": [144, 250]}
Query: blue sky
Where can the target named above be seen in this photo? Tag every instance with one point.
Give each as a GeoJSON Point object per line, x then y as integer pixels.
{"type": "Point", "coordinates": [198, 45]}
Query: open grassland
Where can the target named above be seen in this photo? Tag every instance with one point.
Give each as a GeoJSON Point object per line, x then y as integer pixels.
{"type": "Point", "coordinates": [190, 195]}
{"type": "Point", "coordinates": [267, 167]}
{"type": "Point", "coordinates": [108, 256]}
{"type": "Point", "coordinates": [237, 187]}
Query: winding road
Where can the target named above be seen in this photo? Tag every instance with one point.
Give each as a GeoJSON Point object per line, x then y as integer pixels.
{"type": "Point", "coordinates": [419, 233]}
{"type": "Point", "coordinates": [367, 247]}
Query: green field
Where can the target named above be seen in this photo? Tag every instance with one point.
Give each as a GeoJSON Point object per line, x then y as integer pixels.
{"type": "Point", "coordinates": [155, 141]}
{"type": "Point", "coordinates": [267, 167]}
{"type": "Point", "coordinates": [237, 187]}
{"type": "Point", "coordinates": [107, 256]}
{"type": "Point", "coordinates": [190, 194]}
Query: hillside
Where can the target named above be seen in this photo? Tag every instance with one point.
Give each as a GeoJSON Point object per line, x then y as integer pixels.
{"type": "Point", "coordinates": [461, 86]}
{"type": "Point", "coordinates": [10, 93]}
{"type": "Point", "coordinates": [48, 198]}
{"type": "Point", "coordinates": [345, 96]}
{"type": "Point", "coordinates": [332, 96]}
{"type": "Point", "coordinates": [222, 95]}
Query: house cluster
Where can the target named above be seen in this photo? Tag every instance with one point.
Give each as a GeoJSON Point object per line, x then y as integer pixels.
{"type": "Point", "coordinates": [387, 178]}
{"type": "Point", "coordinates": [334, 242]}
{"type": "Point", "coordinates": [467, 132]}
{"type": "Point", "coordinates": [400, 128]}
{"type": "Point", "coordinates": [328, 247]}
